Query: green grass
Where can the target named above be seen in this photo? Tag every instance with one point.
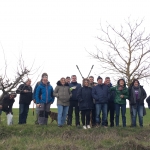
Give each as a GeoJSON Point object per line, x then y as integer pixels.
{"type": "Point", "coordinates": [50, 137]}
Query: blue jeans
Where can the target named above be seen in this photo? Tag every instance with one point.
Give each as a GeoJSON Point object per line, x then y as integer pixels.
{"type": "Point", "coordinates": [123, 112]}
{"type": "Point", "coordinates": [62, 114]}
{"type": "Point", "coordinates": [103, 108]}
{"type": "Point", "coordinates": [23, 113]}
{"type": "Point", "coordinates": [137, 109]}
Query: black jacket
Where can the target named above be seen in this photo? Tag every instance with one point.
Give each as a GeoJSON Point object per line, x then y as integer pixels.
{"type": "Point", "coordinates": [142, 97]}
{"type": "Point", "coordinates": [7, 104]}
{"type": "Point", "coordinates": [25, 98]}
{"type": "Point", "coordinates": [85, 99]}
{"type": "Point", "coordinates": [148, 101]}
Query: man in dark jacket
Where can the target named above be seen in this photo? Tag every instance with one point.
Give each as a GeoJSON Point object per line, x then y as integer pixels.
{"type": "Point", "coordinates": [25, 91]}
{"type": "Point", "coordinates": [111, 105]}
{"type": "Point", "coordinates": [74, 86]}
{"type": "Point", "coordinates": [101, 95]}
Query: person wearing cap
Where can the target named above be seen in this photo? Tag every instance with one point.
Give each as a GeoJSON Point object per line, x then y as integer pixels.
{"type": "Point", "coordinates": [101, 94]}
{"type": "Point", "coordinates": [68, 80]}
{"type": "Point", "coordinates": [26, 96]}
{"type": "Point", "coordinates": [44, 98]}
{"type": "Point", "coordinates": [74, 87]}
{"type": "Point", "coordinates": [7, 103]}
{"type": "Point", "coordinates": [34, 92]}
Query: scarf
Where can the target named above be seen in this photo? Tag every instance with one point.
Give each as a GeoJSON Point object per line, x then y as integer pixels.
{"type": "Point", "coordinates": [134, 95]}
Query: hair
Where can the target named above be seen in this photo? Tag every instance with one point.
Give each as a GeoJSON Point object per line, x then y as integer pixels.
{"type": "Point", "coordinates": [107, 78]}
{"type": "Point", "coordinates": [27, 80]}
{"type": "Point", "coordinates": [85, 80]}
{"type": "Point", "coordinates": [44, 74]}
{"type": "Point", "coordinates": [62, 79]}
{"type": "Point", "coordinates": [122, 80]}
{"type": "Point", "coordinates": [91, 77]}
{"type": "Point", "coordinates": [135, 80]}
{"type": "Point", "coordinates": [73, 76]}
{"type": "Point", "coordinates": [67, 77]}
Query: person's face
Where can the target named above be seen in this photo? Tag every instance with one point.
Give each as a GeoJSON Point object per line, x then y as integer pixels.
{"type": "Point", "coordinates": [74, 79]}
{"type": "Point", "coordinates": [91, 80]}
{"type": "Point", "coordinates": [68, 80]}
{"type": "Point", "coordinates": [63, 81]}
{"type": "Point", "coordinates": [121, 83]}
{"type": "Point", "coordinates": [28, 82]}
{"type": "Point", "coordinates": [100, 81]}
{"type": "Point", "coordinates": [12, 96]}
{"type": "Point", "coordinates": [107, 81]}
{"type": "Point", "coordinates": [136, 84]}
{"type": "Point", "coordinates": [86, 83]}
{"type": "Point", "coordinates": [45, 80]}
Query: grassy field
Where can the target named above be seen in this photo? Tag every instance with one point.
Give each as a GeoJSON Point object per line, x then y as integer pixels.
{"type": "Point", "coordinates": [50, 137]}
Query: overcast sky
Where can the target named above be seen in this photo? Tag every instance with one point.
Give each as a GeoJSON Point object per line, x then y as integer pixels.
{"type": "Point", "coordinates": [57, 33]}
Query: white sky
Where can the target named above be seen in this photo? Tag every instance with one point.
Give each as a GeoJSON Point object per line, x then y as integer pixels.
{"type": "Point", "coordinates": [57, 32]}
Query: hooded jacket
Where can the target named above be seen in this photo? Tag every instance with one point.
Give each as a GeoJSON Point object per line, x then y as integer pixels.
{"type": "Point", "coordinates": [101, 93]}
{"type": "Point", "coordinates": [143, 95]}
{"type": "Point", "coordinates": [85, 99]}
{"type": "Point", "coordinates": [118, 93]}
{"type": "Point", "coordinates": [25, 97]}
{"type": "Point", "coordinates": [63, 94]}
{"type": "Point", "coordinates": [45, 92]}
{"type": "Point", "coordinates": [74, 91]}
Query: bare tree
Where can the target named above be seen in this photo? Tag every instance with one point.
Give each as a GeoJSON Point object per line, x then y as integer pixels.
{"type": "Point", "coordinates": [126, 53]}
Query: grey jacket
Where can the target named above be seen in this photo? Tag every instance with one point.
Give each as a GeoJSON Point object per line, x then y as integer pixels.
{"type": "Point", "coordinates": [63, 94]}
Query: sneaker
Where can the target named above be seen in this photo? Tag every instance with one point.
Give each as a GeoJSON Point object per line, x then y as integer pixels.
{"type": "Point", "coordinates": [88, 126]}
{"type": "Point", "coordinates": [84, 127]}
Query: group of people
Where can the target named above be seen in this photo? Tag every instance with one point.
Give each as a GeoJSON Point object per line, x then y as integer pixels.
{"type": "Point", "coordinates": [91, 98]}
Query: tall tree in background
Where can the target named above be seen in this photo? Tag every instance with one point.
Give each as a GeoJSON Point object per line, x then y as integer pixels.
{"type": "Point", "coordinates": [125, 51]}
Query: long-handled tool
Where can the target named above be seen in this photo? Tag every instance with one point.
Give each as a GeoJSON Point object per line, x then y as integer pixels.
{"type": "Point", "coordinates": [90, 71]}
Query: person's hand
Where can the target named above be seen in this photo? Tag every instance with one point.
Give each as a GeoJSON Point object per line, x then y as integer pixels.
{"type": "Point", "coordinates": [0, 106]}
{"type": "Point", "coordinates": [121, 96]}
{"type": "Point", "coordinates": [38, 105]}
{"type": "Point", "coordinates": [25, 91]}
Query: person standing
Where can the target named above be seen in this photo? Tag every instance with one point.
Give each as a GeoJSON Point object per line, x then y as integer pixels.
{"type": "Point", "coordinates": [74, 86]}
{"type": "Point", "coordinates": [101, 94]}
{"type": "Point", "coordinates": [111, 105]}
{"type": "Point", "coordinates": [92, 84]}
{"type": "Point", "coordinates": [86, 104]}
{"type": "Point", "coordinates": [121, 94]}
{"type": "Point", "coordinates": [63, 94]}
{"type": "Point", "coordinates": [137, 95]}
{"type": "Point", "coordinates": [34, 96]}
{"type": "Point", "coordinates": [26, 96]}
{"type": "Point", "coordinates": [44, 98]}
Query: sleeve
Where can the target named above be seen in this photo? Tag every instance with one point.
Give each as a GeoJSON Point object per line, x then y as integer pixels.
{"type": "Point", "coordinates": [10, 107]}
{"type": "Point", "coordinates": [37, 94]}
{"type": "Point", "coordinates": [94, 94]}
{"type": "Point", "coordinates": [55, 93]}
{"type": "Point", "coordinates": [113, 89]}
{"type": "Point", "coordinates": [70, 93]}
{"type": "Point", "coordinates": [126, 96]}
{"type": "Point", "coordinates": [34, 92]}
{"type": "Point", "coordinates": [52, 95]}
{"type": "Point", "coordinates": [148, 100]}
{"type": "Point", "coordinates": [144, 94]}
{"type": "Point", "coordinates": [20, 89]}
{"type": "Point", "coordinates": [79, 95]}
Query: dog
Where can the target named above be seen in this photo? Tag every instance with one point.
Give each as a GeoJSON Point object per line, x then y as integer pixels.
{"type": "Point", "coordinates": [53, 116]}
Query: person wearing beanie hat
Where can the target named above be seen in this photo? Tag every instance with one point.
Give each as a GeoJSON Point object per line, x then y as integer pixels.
{"type": "Point", "coordinates": [101, 94]}
{"type": "Point", "coordinates": [44, 75]}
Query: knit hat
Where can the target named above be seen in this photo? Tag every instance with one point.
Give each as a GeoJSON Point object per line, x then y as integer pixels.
{"type": "Point", "coordinates": [44, 75]}
{"type": "Point", "coordinates": [99, 78]}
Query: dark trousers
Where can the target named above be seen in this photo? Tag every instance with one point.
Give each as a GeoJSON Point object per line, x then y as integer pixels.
{"type": "Point", "coordinates": [70, 112]}
{"type": "Point", "coordinates": [111, 111]}
{"type": "Point", "coordinates": [23, 113]}
{"type": "Point", "coordinates": [93, 116]}
{"type": "Point", "coordinates": [85, 115]}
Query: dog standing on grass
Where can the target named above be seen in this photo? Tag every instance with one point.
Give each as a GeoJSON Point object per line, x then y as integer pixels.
{"type": "Point", "coordinates": [53, 116]}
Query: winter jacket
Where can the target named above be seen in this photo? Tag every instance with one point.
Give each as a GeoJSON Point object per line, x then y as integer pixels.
{"type": "Point", "coordinates": [63, 94]}
{"type": "Point", "coordinates": [7, 104]}
{"type": "Point", "coordinates": [85, 99]}
{"type": "Point", "coordinates": [25, 97]}
{"type": "Point", "coordinates": [118, 93]}
{"type": "Point", "coordinates": [148, 101]}
{"type": "Point", "coordinates": [112, 94]}
{"type": "Point", "coordinates": [74, 91]}
{"type": "Point", "coordinates": [45, 92]}
{"type": "Point", "coordinates": [101, 93]}
{"type": "Point", "coordinates": [35, 88]}
{"type": "Point", "coordinates": [141, 99]}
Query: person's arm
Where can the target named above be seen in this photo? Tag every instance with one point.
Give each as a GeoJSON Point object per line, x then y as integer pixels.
{"type": "Point", "coordinates": [144, 94]}
{"type": "Point", "coordinates": [34, 92]}
{"type": "Point", "coordinates": [20, 89]}
{"type": "Point", "coordinates": [113, 89]}
{"type": "Point", "coordinates": [94, 95]}
{"type": "Point", "coordinates": [70, 93]}
{"type": "Point", "coordinates": [55, 93]}
{"type": "Point", "coordinates": [37, 95]}
{"type": "Point", "coordinates": [79, 95]}
{"type": "Point", "coordinates": [52, 95]}
{"type": "Point", "coordinates": [10, 107]}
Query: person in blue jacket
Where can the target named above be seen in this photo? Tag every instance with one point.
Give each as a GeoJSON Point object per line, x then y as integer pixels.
{"type": "Point", "coordinates": [74, 86]}
{"type": "Point", "coordinates": [86, 104]}
{"type": "Point", "coordinates": [101, 94]}
{"type": "Point", "coordinates": [44, 98]}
